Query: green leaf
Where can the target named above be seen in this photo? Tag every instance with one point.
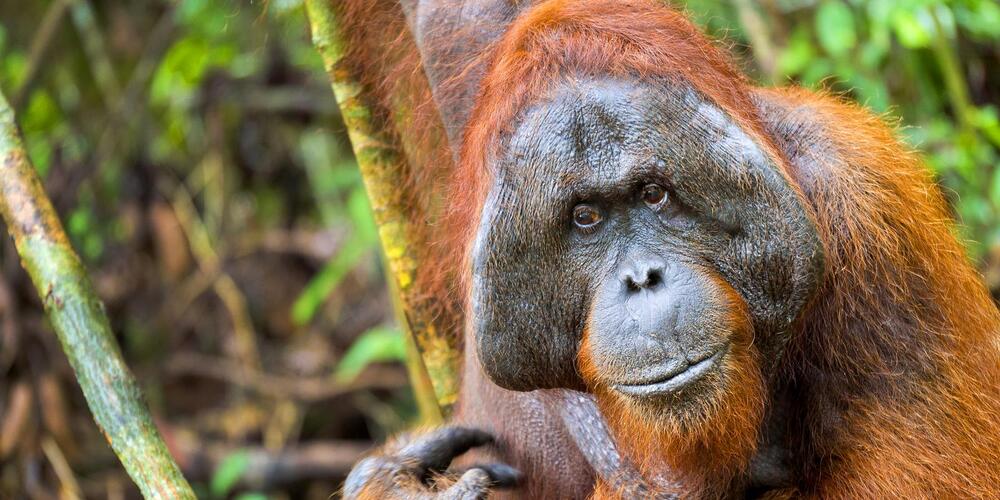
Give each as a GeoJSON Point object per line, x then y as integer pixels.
{"type": "Point", "coordinates": [817, 70]}
{"type": "Point", "coordinates": [93, 246]}
{"type": "Point", "coordinates": [797, 54]}
{"type": "Point", "coordinates": [12, 66]}
{"type": "Point", "coordinates": [361, 216]}
{"type": "Point", "coordinates": [377, 344]}
{"type": "Point", "coordinates": [981, 18]}
{"type": "Point", "coordinates": [835, 28]}
{"type": "Point", "coordinates": [995, 189]}
{"type": "Point", "coordinates": [871, 92]}
{"type": "Point", "coordinates": [872, 54]}
{"type": "Point", "coordinates": [251, 496]}
{"type": "Point", "coordinates": [229, 472]}
{"type": "Point", "coordinates": [909, 31]}
{"type": "Point", "coordinates": [184, 66]}
{"type": "Point", "coordinates": [879, 12]}
{"type": "Point", "coordinates": [79, 222]}
{"type": "Point", "coordinates": [206, 18]}
{"type": "Point", "coordinates": [327, 280]}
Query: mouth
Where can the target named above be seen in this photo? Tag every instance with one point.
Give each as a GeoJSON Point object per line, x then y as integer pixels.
{"type": "Point", "coordinates": [676, 380]}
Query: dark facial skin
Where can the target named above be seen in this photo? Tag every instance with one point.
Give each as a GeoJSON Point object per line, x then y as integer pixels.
{"type": "Point", "coordinates": [640, 216]}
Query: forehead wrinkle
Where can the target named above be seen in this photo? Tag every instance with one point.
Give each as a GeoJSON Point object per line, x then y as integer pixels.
{"type": "Point", "coordinates": [540, 159]}
{"type": "Point", "coordinates": [615, 169]}
{"type": "Point", "coordinates": [533, 143]}
{"type": "Point", "coordinates": [599, 136]}
{"type": "Point", "coordinates": [608, 144]}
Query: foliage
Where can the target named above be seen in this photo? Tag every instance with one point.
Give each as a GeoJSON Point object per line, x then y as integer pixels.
{"type": "Point", "coordinates": [220, 212]}
{"type": "Point", "coordinates": [222, 217]}
{"type": "Point", "coordinates": [928, 64]}
{"type": "Point", "coordinates": [229, 471]}
{"type": "Point", "coordinates": [377, 344]}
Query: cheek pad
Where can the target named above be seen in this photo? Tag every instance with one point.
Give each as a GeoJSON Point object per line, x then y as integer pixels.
{"type": "Point", "coordinates": [775, 260]}
{"type": "Point", "coordinates": [527, 312]}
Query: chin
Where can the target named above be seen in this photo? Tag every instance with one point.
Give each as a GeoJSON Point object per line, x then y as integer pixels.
{"type": "Point", "coordinates": [712, 410]}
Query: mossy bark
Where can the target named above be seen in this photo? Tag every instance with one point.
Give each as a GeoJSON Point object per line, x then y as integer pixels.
{"type": "Point", "coordinates": [384, 167]}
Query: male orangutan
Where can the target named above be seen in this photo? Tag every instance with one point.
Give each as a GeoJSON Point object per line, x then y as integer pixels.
{"type": "Point", "coordinates": [760, 287]}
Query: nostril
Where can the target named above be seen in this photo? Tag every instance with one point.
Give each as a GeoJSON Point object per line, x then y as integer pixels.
{"type": "Point", "coordinates": [654, 278]}
{"type": "Point", "coordinates": [647, 280]}
{"type": "Point", "coordinates": [631, 283]}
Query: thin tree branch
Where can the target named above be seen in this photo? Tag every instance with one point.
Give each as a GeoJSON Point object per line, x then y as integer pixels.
{"type": "Point", "coordinates": [267, 469]}
{"type": "Point", "coordinates": [761, 41]}
{"type": "Point", "coordinates": [103, 70]}
{"type": "Point", "coordinates": [77, 316]}
{"type": "Point", "coordinates": [39, 47]}
{"type": "Point", "coordinates": [306, 389]}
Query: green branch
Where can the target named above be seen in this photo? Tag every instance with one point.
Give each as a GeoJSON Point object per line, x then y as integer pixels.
{"type": "Point", "coordinates": [955, 83]}
{"type": "Point", "coordinates": [761, 42]}
{"type": "Point", "coordinates": [80, 323]}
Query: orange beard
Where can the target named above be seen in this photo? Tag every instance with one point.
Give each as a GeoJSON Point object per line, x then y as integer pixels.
{"type": "Point", "coordinates": [701, 453]}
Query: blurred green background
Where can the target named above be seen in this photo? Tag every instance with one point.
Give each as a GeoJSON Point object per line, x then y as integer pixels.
{"type": "Point", "coordinates": [198, 160]}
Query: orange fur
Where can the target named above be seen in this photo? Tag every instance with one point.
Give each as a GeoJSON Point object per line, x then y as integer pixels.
{"type": "Point", "coordinates": [903, 334]}
{"type": "Point", "coordinates": [898, 294]}
{"type": "Point", "coordinates": [700, 457]}
{"type": "Point", "coordinates": [893, 372]}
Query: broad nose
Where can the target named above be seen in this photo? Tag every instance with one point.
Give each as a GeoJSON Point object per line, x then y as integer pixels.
{"type": "Point", "coordinates": [644, 275]}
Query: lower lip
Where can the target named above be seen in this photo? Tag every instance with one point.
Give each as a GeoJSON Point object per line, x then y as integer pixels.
{"type": "Point", "coordinates": [675, 382]}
